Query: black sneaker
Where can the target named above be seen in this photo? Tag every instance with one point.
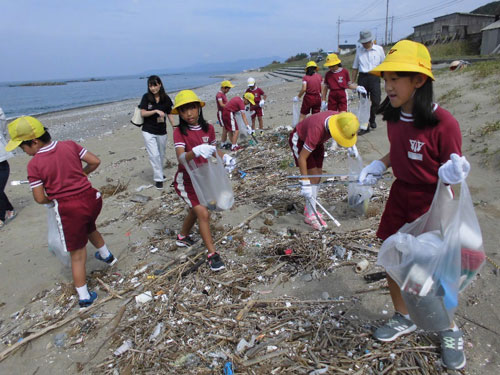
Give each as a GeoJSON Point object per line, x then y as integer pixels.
{"type": "Point", "coordinates": [373, 125]}
{"type": "Point", "coordinates": [363, 131]}
{"type": "Point", "coordinates": [159, 185]}
{"type": "Point", "coordinates": [184, 241]}
{"type": "Point", "coordinates": [215, 262]}
{"type": "Point", "coordinates": [452, 349]}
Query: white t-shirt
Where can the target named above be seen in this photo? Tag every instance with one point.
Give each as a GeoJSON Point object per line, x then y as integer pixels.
{"type": "Point", "coordinates": [368, 59]}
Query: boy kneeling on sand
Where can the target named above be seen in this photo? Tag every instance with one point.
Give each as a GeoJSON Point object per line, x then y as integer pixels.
{"type": "Point", "coordinates": [57, 178]}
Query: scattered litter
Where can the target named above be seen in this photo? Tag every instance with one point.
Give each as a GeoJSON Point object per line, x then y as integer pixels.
{"type": "Point", "coordinates": [143, 298]}
{"type": "Point", "coordinates": [140, 198]}
{"type": "Point", "coordinates": [127, 344]}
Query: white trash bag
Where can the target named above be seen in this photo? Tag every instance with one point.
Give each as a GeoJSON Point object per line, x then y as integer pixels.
{"type": "Point", "coordinates": [55, 236]}
{"type": "Point", "coordinates": [241, 125]}
{"type": "Point", "coordinates": [295, 113]}
{"type": "Point", "coordinates": [435, 257]}
{"type": "Point", "coordinates": [358, 196]}
{"type": "Point", "coordinates": [363, 111]}
{"type": "Point", "coordinates": [211, 183]}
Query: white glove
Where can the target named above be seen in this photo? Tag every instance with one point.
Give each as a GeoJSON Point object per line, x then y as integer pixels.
{"type": "Point", "coordinates": [324, 106]}
{"type": "Point", "coordinates": [370, 174]}
{"type": "Point", "coordinates": [295, 99]}
{"type": "Point", "coordinates": [353, 152]}
{"type": "Point", "coordinates": [455, 170]}
{"type": "Point", "coordinates": [229, 162]}
{"type": "Point", "coordinates": [204, 150]}
{"type": "Point", "coordinates": [306, 190]}
{"type": "Point", "coordinates": [261, 103]}
{"type": "Point", "coordinates": [361, 90]}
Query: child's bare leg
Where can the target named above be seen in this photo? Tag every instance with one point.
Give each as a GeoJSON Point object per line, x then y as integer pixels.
{"type": "Point", "coordinates": [261, 123]}
{"type": "Point", "coordinates": [96, 239]}
{"type": "Point", "coordinates": [397, 298]}
{"type": "Point", "coordinates": [301, 117]}
{"type": "Point", "coordinates": [188, 223]}
{"type": "Point", "coordinates": [234, 138]}
{"type": "Point", "coordinates": [203, 216]}
{"type": "Point", "coordinates": [253, 123]}
{"type": "Point", "coordinates": [223, 137]}
{"type": "Point", "coordinates": [78, 269]}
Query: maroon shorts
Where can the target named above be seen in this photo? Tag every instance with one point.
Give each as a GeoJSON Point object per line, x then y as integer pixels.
{"type": "Point", "coordinates": [229, 121]}
{"type": "Point", "coordinates": [310, 104]}
{"type": "Point", "coordinates": [406, 203]}
{"type": "Point", "coordinates": [337, 101]}
{"type": "Point", "coordinates": [258, 111]}
{"type": "Point", "coordinates": [185, 189]}
{"type": "Point", "coordinates": [315, 159]}
{"type": "Point", "coordinates": [78, 215]}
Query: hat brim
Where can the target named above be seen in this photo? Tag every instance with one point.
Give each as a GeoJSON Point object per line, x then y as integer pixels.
{"type": "Point", "coordinates": [388, 66]}
{"type": "Point", "coordinates": [230, 86]}
{"type": "Point", "coordinates": [252, 102]}
{"type": "Point", "coordinates": [338, 137]}
{"type": "Point", "coordinates": [336, 62]}
{"type": "Point", "coordinates": [365, 40]}
{"type": "Point", "coordinates": [175, 109]}
{"type": "Point", "coordinates": [12, 145]}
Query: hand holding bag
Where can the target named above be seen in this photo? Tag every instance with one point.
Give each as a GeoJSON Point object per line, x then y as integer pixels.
{"type": "Point", "coordinates": [137, 118]}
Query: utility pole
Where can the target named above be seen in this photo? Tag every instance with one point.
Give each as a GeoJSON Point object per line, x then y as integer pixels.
{"type": "Point", "coordinates": [338, 35]}
{"type": "Point", "coordinates": [386, 22]}
{"type": "Point", "coordinates": [392, 27]}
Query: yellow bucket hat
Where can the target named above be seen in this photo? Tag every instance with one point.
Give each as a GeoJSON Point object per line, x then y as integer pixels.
{"type": "Point", "coordinates": [226, 84]}
{"type": "Point", "coordinates": [185, 97]}
{"type": "Point", "coordinates": [310, 64]}
{"type": "Point", "coordinates": [343, 128]}
{"type": "Point", "coordinates": [23, 129]}
{"type": "Point", "coordinates": [250, 97]}
{"type": "Point", "coordinates": [406, 56]}
{"type": "Point", "coordinates": [331, 60]}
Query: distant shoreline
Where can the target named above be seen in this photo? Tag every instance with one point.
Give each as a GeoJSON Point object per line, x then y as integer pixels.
{"type": "Point", "coordinates": [55, 83]}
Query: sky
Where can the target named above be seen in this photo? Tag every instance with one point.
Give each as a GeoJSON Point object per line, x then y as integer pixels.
{"type": "Point", "coordinates": [57, 39]}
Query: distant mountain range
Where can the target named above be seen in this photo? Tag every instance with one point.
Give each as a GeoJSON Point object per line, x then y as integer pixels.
{"type": "Point", "coordinates": [492, 8]}
{"type": "Point", "coordinates": [223, 67]}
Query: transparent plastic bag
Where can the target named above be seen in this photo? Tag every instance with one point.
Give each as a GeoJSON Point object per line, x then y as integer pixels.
{"type": "Point", "coordinates": [54, 236]}
{"type": "Point", "coordinates": [435, 257]}
{"type": "Point", "coordinates": [363, 111]}
{"type": "Point", "coordinates": [358, 196]}
{"type": "Point", "coordinates": [211, 183]}
{"type": "Point", "coordinates": [241, 125]}
{"type": "Point", "coordinates": [295, 113]}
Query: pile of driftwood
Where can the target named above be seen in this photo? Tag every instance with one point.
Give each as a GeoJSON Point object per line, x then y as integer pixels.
{"type": "Point", "coordinates": [171, 315]}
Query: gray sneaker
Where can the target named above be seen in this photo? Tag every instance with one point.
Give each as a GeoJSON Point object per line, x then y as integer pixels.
{"type": "Point", "coordinates": [452, 349]}
{"type": "Point", "coordinates": [397, 326]}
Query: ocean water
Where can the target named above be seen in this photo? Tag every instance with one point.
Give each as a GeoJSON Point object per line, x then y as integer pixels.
{"type": "Point", "coordinates": [34, 100]}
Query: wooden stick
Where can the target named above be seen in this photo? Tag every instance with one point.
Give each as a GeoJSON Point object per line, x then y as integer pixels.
{"type": "Point", "coordinates": [245, 309]}
{"type": "Point", "coordinates": [263, 358]}
{"type": "Point", "coordinates": [108, 288]}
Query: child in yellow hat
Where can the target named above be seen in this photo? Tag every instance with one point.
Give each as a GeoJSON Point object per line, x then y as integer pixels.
{"type": "Point", "coordinates": [426, 145]}
{"type": "Point", "coordinates": [194, 139]}
{"type": "Point", "coordinates": [57, 178]}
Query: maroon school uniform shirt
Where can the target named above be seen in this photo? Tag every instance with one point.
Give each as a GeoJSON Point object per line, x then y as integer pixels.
{"type": "Point", "coordinates": [313, 84]}
{"type": "Point", "coordinates": [313, 131]}
{"type": "Point", "coordinates": [417, 154]}
{"type": "Point", "coordinates": [220, 96]}
{"type": "Point", "coordinates": [195, 137]}
{"type": "Point", "coordinates": [257, 93]}
{"type": "Point", "coordinates": [234, 105]}
{"type": "Point", "coordinates": [58, 168]}
{"type": "Point", "coordinates": [337, 80]}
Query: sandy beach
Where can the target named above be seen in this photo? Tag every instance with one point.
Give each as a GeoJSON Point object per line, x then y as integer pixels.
{"type": "Point", "coordinates": [36, 290]}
